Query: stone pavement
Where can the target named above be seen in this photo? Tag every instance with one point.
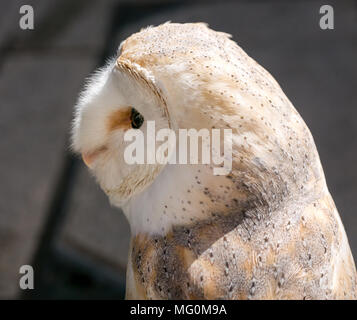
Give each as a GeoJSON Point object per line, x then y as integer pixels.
{"type": "Point", "coordinates": [42, 71]}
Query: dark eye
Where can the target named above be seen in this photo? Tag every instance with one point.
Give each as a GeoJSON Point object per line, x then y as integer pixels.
{"type": "Point", "coordinates": [137, 119]}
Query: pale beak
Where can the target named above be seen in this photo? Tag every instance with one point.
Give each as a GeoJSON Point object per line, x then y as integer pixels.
{"type": "Point", "coordinates": [89, 157]}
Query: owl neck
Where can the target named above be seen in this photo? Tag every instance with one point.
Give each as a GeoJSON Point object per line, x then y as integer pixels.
{"type": "Point", "coordinates": [183, 195]}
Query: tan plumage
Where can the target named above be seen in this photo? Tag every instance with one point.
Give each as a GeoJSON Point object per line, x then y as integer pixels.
{"type": "Point", "coordinates": [268, 230]}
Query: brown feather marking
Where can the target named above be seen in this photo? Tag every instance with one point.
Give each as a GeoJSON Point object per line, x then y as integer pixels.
{"type": "Point", "coordinates": [119, 119]}
{"type": "Point", "coordinates": [211, 286]}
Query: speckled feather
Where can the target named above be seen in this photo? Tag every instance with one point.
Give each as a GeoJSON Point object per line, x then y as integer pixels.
{"type": "Point", "coordinates": [268, 230]}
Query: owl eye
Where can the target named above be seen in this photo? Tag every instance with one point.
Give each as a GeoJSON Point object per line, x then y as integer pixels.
{"type": "Point", "coordinates": [137, 119]}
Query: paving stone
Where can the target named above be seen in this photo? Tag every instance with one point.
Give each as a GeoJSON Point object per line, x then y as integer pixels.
{"type": "Point", "coordinates": [88, 30]}
{"type": "Point", "coordinates": [37, 94]}
{"type": "Point", "coordinates": [94, 227]}
{"type": "Point", "coordinates": [10, 16]}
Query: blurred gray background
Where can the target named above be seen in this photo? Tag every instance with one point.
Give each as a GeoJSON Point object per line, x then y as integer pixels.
{"type": "Point", "coordinates": [52, 214]}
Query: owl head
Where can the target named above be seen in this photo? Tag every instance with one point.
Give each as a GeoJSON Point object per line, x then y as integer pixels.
{"type": "Point", "coordinates": [119, 97]}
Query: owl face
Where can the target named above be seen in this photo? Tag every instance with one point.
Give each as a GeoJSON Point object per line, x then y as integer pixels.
{"type": "Point", "coordinates": [118, 98]}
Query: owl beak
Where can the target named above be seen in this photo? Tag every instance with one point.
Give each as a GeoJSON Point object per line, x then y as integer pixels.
{"type": "Point", "coordinates": [90, 157]}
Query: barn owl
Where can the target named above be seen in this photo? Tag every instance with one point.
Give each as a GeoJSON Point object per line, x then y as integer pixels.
{"type": "Point", "coordinates": [267, 230]}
